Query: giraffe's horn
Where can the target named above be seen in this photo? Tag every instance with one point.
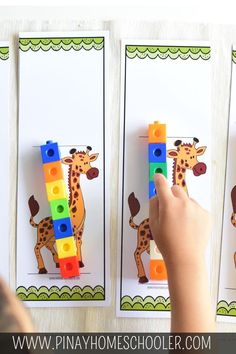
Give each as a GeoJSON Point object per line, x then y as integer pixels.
{"type": "Point", "coordinates": [88, 149]}
{"type": "Point", "coordinates": [178, 142]}
{"type": "Point", "coordinates": [72, 151]}
{"type": "Point", "coordinates": [195, 141]}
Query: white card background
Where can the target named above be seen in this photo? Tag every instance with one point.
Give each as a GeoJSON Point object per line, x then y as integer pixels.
{"type": "Point", "coordinates": [175, 92]}
{"type": "Point", "coordinates": [226, 308]}
{"type": "Point", "coordinates": [4, 144]}
{"type": "Point", "coordinates": [62, 98]}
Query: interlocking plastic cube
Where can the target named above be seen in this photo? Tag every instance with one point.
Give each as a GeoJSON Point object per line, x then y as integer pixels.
{"type": "Point", "coordinates": [52, 171]}
{"type": "Point", "coordinates": [152, 189]}
{"type": "Point", "coordinates": [62, 228]}
{"type": "Point", "coordinates": [154, 251]}
{"type": "Point", "coordinates": [50, 152]}
{"type": "Point", "coordinates": [69, 267]}
{"type": "Point", "coordinates": [157, 270]}
{"type": "Point", "coordinates": [56, 190]}
{"type": "Point", "coordinates": [157, 133]}
{"type": "Point", "coordinates": [160, 167]}
{"type": "Point", "coordinates": [157, 152]}
{"type": "Point", "coordinates": [59, 209]}
{"type": "Point", "coordinates": [66, 247]}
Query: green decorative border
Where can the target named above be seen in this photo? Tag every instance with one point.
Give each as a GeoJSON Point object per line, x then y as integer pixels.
{"type": "Point", "coordinates": [146, 304]}
{"type": "Point", "coordinates": [65, 293]}
{"type": "Point", "coordinates": [234, 56]}
{"type": "Point", "coordinates": [164, 52]}
{"type": "Point", "coordinates": [225, 309]}
{"type": "Point", "coordinates": [35, 44]}
{"type": "Point", "coordinates": [4, 53]}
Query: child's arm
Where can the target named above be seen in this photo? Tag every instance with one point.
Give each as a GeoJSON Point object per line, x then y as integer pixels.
{"type": "Point", "coordinates": [181, 229]}
{"type": "Point", "coordinates": [13, 315]}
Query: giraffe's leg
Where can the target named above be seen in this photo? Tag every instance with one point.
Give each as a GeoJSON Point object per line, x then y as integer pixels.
{"type": "Point", "coordinates": [41, 266]}
{"type": "Point", "coordinates": [233, 219]}
{"type": "Point", "coordinates": [50, 247]}
{"type": "Point", "coordinates": [139, 263]}
{"type": "Point", "coordinates": [79, 244]}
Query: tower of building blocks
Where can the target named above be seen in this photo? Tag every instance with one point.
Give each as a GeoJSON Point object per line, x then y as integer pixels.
{"type": "Point", "coordinates": [157, 164]}
{"type": "Point", "coordinates": [58, 200]}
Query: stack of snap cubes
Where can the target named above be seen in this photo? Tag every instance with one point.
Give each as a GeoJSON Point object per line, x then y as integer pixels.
{"type": "Point", "coordinates": [157, 164]}
{"type": "Point", "coordinates": [58, 199]}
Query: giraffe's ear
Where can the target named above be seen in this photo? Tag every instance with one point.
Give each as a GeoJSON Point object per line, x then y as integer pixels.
{"type": "Point", "coordinates": [200, 150]}
{"type": "Point", "coordinates": [93, 157]}
{"type": "Point", "coordinates": [172, 153]}
{"type": "Point", "coordinates": [67, 160]}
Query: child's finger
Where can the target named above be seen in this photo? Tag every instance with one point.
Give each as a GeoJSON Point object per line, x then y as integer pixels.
{"type": "Point", "coordinates": [178, 192]}
{"type": "Point", "coordinates": [162, 188]}
{"type": "Point", "coordinates": [153, 209]}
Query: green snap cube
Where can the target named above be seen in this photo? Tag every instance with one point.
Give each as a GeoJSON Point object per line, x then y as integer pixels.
{"type": "Point", "coordinates": [59, 209]}
{"type": "Point", "coordinates": [160, 167]}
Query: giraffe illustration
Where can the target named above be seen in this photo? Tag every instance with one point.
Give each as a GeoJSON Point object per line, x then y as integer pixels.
{"type": "Point", "coordinates": [79, 163]}
{"type": "Point", "coordinates": [185, 158]}
{"type": "Point", "coordinates": [233, 215]}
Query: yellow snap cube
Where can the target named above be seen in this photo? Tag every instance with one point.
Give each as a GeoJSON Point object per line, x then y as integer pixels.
{"type": "Point", "coordinates": [56, 190]}
{"type": "Point", "coordinates": [66, 247]}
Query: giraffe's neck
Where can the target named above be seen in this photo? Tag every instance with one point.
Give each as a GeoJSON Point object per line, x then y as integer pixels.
{"type": "Point", "coordinates": [76, 201]}
{"type": "Point", "coordinates": [179, 174]}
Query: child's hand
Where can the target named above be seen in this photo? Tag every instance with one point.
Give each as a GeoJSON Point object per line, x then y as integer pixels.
{"type": "Point", "coordinates": [179, 225]}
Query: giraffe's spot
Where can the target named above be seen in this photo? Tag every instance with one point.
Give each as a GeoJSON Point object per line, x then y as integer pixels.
{"type": "Point", "coordinates": [80, 233]}
{"type": "Point", "coordinates": [46, 232]}
{"type": "Point", "coordinates": [76, 194]}
{"type": "Point", "coordinates": [44, 239]}
{"type": "Point", "coordinates": [139, 248]}
{"type": "Point", "coordinates": [183, 183]}
{"type": "Point", "coordinates": [80, 155]}
{"type": "Point", "coordinates": [37, 248]}
{"type": "Point", "coordinates": [146, 226]}
{"type": "Point", "coordinates": [74, 201]}
{"type": "Point", "coordinates": [142, 233]}
{"type": "Point", "coordinates": [73, 188]}
{"type": "Point", "coordinates": [183, 170]}
{"type": "Point", "coordinates": [145, 243]}
{"type": "Point", "coordinates": [76, 167]}
{"type": "Point", "coordinates": [180, 176]}
{"type": "Point", "coordinates": [74, 209]}
{"type": "Point", "coordinates": [41, 230]}
{"type": "Point", "coordinates": [73, 173]}
{"type": "Point", "coordinates": [80, 170]}
{"type": "Point", "coordinates": [77, 174]}
{"type": "Point", "coordinates": [78, 186]}
{"type": "Point", "coordinates": [49, 227]}
{"type": "Point", "coordinates": [137, 252]}
{"type": "Point", "coordinates": [141, 243]}
{"type": "Point", "coordinates": [178, 168]}
{"type": "Point", "coordinates": [187, 153]}
{"type": "Point", "coordinates": [186, 165]}
{"type": "Point", "coordinates": [182, 161]}
{"type": "Point", "coordinates": [74, 180]}
{"type": "Point", "coordinates": [149, 236]}
{"type": "Point", "coordinates": [45, 224]}
{"type": "Point", "coordinates": [143, 222]}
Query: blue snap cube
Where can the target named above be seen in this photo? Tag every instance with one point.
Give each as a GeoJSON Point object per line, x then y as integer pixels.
{"type": "Point", "coordinates": [50, 152]}
{"type": "Point", "coordinates": [62, 228]}
{"type": "Point", "coordinates": [152, 189]}
{"type": "Point", "coordinates": [157, 152]}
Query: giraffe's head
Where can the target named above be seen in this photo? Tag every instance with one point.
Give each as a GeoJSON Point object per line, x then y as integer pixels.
{"type": "Point", "coordinates": [186, 156]}
{"type": "Point", "coordinates": [80, 161]}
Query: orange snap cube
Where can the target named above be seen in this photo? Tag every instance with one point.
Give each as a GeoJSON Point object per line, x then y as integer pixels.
{"type": "Point", "coordinates": [52, 171]}
{"type": "Point", "coordinates": [157, 133]}
{"type": "Point", "coordinates": [158, 270]}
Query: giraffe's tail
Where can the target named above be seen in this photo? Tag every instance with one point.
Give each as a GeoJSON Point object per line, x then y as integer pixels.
{"type": "Point", "coordinates": [134, 207]}
{"type": "Point", "coordinates": [34, 209]}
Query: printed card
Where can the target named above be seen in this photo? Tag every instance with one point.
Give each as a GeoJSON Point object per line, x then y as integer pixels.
{"type": "Point", "coordinates": [4, 142]}
{"type": "Point", "coordinates": [62, 99]}
{"type": "Point", "coordinates": [226, 307]}
{"type": "Point", "coordinates": [169, 83]}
